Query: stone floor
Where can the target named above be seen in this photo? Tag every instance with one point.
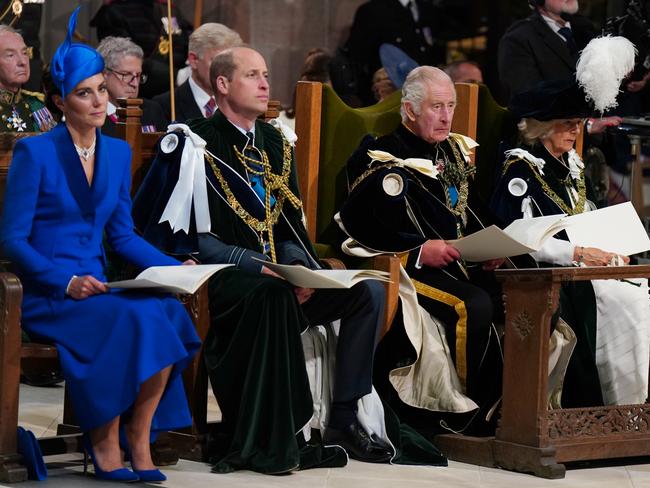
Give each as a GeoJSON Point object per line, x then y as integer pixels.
{"type": "Point", "coordinates": [41, 410]}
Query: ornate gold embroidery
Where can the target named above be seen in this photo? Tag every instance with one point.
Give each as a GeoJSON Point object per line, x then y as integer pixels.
{"type": "Point", "coordinates": [582, 188]}
{"type": "Point", "coordinates": [272, 182]}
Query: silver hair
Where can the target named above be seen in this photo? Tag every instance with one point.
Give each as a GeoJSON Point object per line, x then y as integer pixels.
{"type": "Point", "coordinates": [532, 130]}
{"type": "Point", "coordinates": [112, 49]}
{"type": "Point", "coordinates": [415, 88]}
{"type": "Point", "coordinates": [7, 29]}
{"type": "Point", "coordinates": [213, 35]}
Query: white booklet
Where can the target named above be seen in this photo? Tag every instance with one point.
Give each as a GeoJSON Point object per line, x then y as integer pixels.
{"type": "Point", "coordinates": [303, 277]}
{"type": "Point", "coordinates": [613, 229]}
{"type": "Point", "coordinates": [171, 279]}
{"type": "Point", "coordinates": [520, 237]}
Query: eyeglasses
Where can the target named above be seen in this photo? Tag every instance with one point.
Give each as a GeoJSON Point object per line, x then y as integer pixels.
{"type": "Point", "coordinates": [129, 77]}
{"type": "Point", "coordinates": [569, 124]}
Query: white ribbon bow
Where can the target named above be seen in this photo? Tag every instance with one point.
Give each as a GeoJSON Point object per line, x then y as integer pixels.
{"type": "Point", "coordinates": [424, 166]}
{"type": "Point", "coordinates": [522, 153]}
{"type": "Point", "coordinates": [576, 166]}
{"type": "Point", "coordinates": [191, 186]}
{"type": "Point", "coordinates": [287, 131]}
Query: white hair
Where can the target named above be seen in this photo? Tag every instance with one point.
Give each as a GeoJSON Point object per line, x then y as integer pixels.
{"type": "Point", "coordinates": [415, 88]}
{"type": "Point", "coordinates": [7, 29]}
{"type": "Point", "coordinates": [112, 49]}
{"type": "Point", "coordinates": [532, 130]}
{"type": "Point", "coordinates": [213, 35]}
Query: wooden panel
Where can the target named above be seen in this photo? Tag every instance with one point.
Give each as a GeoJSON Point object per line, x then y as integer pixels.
{"type": "Point", "coordinates": [308, 123]}
{"type": "Point", "coordinates": [10, 300]}
{"type": "Point", "coordinates": [466, 114]}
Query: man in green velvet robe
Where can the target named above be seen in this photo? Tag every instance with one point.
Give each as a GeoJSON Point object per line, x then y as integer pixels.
{"type": "Point", "coordinates": [253, 351]}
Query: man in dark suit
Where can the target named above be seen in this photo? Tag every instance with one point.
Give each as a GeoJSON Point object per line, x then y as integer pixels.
{"type": "Point", "coordinates": [145, 22]}
{"type": "Point", "coordinates": [123, 73]}
{"type": "Point", "coordinates": [407, 24]}
{"type": "Point", "coordinates": [194, 98]}
{"type": "Point", "coordinates": [543, 46]}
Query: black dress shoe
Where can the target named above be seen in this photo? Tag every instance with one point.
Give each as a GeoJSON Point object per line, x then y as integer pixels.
{"type": "Point", "coordinates": [46, 378]}
{"type": "Point", "coordinates": [358, 444]}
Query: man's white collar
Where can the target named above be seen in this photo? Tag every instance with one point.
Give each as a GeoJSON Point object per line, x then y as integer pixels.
{"type": "Point", "coordinates": [201, 97]}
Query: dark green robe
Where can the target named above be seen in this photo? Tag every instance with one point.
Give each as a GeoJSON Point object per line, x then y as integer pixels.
{"type": "Point", "coordinates": [253, 351]}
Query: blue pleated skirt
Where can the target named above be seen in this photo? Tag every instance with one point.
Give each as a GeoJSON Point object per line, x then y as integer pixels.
{"type": "Point", "coordinates": [109, 344]}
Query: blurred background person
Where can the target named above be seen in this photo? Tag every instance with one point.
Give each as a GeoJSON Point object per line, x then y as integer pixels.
{"type": "Point", "coordinates": [146, 23]}
{"type": "Point", "coordinates": [194, 98]}
{"type": "Point", "coordinates": [20, 110]}
{"type": "Point", "coordinates": [382, 86]}
{"type": "Point", "coordinates": [123, 75]}
{"type": "Point", "coordinates": [464, 72]}
{"type": "Point", "coordinates": [315, 68]}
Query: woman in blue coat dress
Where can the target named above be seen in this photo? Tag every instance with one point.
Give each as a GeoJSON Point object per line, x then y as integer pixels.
{"type": "Point", "coordinates": [121, 354]}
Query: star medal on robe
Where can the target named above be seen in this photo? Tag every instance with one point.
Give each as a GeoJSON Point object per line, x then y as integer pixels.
{"type": "Point", "coordinates": [16, 121]}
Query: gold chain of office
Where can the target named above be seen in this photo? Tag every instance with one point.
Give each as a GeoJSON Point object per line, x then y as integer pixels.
{"type": "Point", "coordinates": [272, 182]}
{"type": "Point", "coordinates": [16, 8]}
{"type": "Point", "coordinates": [457, 174]}
{"type": "Point", "coordinates": [582, 188]}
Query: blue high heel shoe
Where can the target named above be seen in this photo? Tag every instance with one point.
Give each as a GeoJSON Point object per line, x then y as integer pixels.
{"type": "Point", "coordinates": [146, 475]}
{"type": "Point", "coordinates": [149, 475]}
{"type": "Point", "coordinates": [122, 474]}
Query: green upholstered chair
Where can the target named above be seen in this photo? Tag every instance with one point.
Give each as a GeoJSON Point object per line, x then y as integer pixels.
{"type": "Point", "coordinates": [342, 129]}
{"type": "Point", "coordinates": [494, 124]}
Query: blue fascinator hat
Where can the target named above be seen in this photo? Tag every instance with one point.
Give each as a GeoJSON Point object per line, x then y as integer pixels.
{"type": "Point", "coordinates": [397, 63]}
{"type": "Point", "coordinates": [74, 62]}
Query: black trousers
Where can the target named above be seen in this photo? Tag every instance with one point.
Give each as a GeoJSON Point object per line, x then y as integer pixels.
{"type": "Point", "coordinates": [360, 308]}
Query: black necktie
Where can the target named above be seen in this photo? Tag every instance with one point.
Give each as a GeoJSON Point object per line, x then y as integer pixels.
{"type": "Point", "coordinates": [570, 41]}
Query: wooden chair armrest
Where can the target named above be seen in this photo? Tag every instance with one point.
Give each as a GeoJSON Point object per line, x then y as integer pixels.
{"type": "Point", "coordinates": [195, 377]}
{"type": "Point", "coordinates": [391, 265]}
{"type": "Point", "coordinates": [333, 263]}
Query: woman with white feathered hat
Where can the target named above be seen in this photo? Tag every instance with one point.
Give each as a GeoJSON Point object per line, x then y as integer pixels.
{"type": "Point", "coordinates": [545, 176]}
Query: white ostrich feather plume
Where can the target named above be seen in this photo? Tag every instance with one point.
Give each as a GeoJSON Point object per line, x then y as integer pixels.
{"type": "Point", "coordinates": [603, 64]}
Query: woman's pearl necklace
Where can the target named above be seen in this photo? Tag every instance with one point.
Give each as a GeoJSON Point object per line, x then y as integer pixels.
{"type": "Point", "coordinates": [86, 153]}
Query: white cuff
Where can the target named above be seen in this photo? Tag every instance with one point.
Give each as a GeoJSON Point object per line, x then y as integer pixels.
{"type": "Point", "coordinates": [418, 264]}
{"type": "Point", "coordinates": [555, 251]}
{"type": "Point", "coordinates": [67, 288]}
